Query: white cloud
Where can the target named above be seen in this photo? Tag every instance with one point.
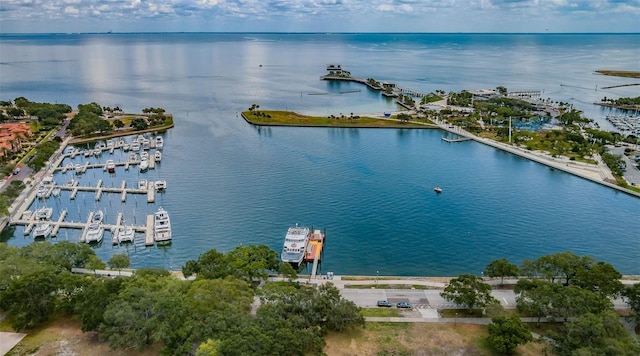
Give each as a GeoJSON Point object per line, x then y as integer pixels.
{"type": "Point", "coordinates": [281, 15]}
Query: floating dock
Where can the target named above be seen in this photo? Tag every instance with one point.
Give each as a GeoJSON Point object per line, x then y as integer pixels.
{"type": "Point", "coordinates": [313, 252]}
{"type": "Point", "coordinates": [461, 139]}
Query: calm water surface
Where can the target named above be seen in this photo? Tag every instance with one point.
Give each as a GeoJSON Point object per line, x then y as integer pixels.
{"type": "Point", "coordinates": [230, 183]}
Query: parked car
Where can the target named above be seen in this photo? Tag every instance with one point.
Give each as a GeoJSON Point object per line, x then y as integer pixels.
{"type": "Point", "coordinates": [403, 305]}
{"type": "Point", "coordinates": [384, 303]}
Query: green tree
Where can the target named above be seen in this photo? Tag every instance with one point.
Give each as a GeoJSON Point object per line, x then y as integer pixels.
{"type": "Point", "coordinates": [117, 123]}
{"type": "Point", "coordinates": [501, 268]}
{"type": "Point", "coordinates": [502, 90]}
{"type": "Point", "coordinates": [595, 334]}
{"type": "Point", "coordinates": [87, 310]}
{"type": "Point", "coordinates": [210, 265]}
{"type": "Point", "coordinates": [208, 348]}
{"type": "Point", "coordinates": [632, 297]}
{"type": "Point", "coordinates": [95, 263]}
{"type": "Point", "coordinates": [30, 299]}
{"type": "Point", "coordinates": [119, 261]}
{"type": "Point", "coordinates": [600, 277]}
{"type": "Point", "coordinates": [505, 334]}
{"type": "Point", "coordinates": [534, 297]}
{"type": "Point", "coordinates": [252, 262]}
{"type": "Point", "coordinates": [469, 291]}
{"type": "Point", "coordinates": [139, 124]}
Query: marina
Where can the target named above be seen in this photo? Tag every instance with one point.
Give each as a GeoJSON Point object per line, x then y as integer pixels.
{"type": "Point", "coordinates": [628, 124]}
{"type": "Point", "coordinates": [39, 223]}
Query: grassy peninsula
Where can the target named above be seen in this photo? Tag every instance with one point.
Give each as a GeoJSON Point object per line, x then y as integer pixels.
{"type": "Point", "coordinates": [289, 118]}
{"type": "Point", "coordinates": [620, 73]}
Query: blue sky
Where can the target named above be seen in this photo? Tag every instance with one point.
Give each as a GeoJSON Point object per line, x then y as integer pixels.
{"type": "Point", "coordinates": [319, 16]}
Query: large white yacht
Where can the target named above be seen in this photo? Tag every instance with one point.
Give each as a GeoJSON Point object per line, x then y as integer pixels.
{"type": "Point", "coordinates": [295, 244]}
{"type": "Point", "coordinates": [44, 213]}
{"type": "Point", "coordinates": [161, 226]}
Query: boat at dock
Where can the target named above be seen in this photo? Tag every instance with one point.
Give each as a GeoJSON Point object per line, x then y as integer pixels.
{"type": "Point", "coordinates": [111, 166]}
{"type": "Point", "coordinates": [161, 226]}
{"type": "Point", "coordinates": [126, 234]}
{"type": "Point", "coordinates": [159, 142]}
{"type": "Point", "coordinates": [56, 191]}
{"type": "Point", "coordinates": [160, 185]}
{"type": "Point", "coordinates": [42, 230]}
{"type": "Point", "coordinates": [157, 156]}
{"type": "Point", "coordinates": [295, 245]}
{"type": "Point", "coordinates": [144, 165]}
{"type": "Point", "coordinates": [44, 213]}
{"type": "Point", "coordinates": [95, 231]}
{"type": "Point", "coordinates": [135, 146]}
{"type": "Point", "coordinates": [142, 184]}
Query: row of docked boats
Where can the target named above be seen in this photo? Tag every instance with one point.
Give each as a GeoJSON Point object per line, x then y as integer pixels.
{"type": "Point", "coordinates": [628, 124]}
{"type": "Point", "coordinates": [158, 185]}
{"type": "Point", "coordinates": [138, 143]}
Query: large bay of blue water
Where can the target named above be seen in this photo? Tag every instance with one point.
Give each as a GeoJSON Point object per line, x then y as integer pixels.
{"type": "Point", "coordinates": [230, 183]}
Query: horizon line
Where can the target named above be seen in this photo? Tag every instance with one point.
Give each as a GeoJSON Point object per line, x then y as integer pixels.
{"type": "Point", "coordinates": [319, 33]}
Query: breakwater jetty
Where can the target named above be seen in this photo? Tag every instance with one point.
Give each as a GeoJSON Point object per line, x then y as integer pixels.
{"type": "Point", "coordinates": [337, 73]}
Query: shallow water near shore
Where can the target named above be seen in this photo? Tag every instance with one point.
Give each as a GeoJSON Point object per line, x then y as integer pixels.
{"type": "Point", "coordinates": [230, 183]}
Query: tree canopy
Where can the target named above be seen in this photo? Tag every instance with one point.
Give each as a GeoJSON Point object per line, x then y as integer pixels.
{"type": "Point", "coordinates": [470, 291]}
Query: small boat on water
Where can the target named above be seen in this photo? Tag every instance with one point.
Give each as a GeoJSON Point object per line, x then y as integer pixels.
{"type": "Point", "coordinates": [159, 142]}
{"type": "Point", "coordinates": [126, 234]}
{"type": "Point", "coordinates": [146, 144]}
{"type": "Point", "coordinates": [157, 156]}
{"type": "Point", "coordinates": [161, 226]}
{"type": "Point", "coordinates": [144, 155]}
{"type": "Point", "coordinates": [78, 168]}
{"type": "Point", "coordinates": [56, 191]}
{"type": "Point", "coordinates": [87, 152]}
{"type": "Point", "coordinates": [26, 215]}
{"type": "Point", "coordinates": [44, 213]}
{"type": "Point", "coordinates": [71, 182]}
{"type": "Point", "coordinates": [111, 143]}
{"type": "Point", "coordinates": [160, 185]}
{"type": "Point", "coordinates": [126, 147]}
{"type": "Point", "coordinates": [42, 230]}
{"type": "Point", "coordinates": [295, 245]}
{"type": "Point", "coordinates": [111, 166]}
{"type": "Point", "coordinates": [144, 165]}
{"type": "Point", "coordinates": [142, 184]}
{"type": "Point", "coordinates": [437, 190]}
{"type": "Point", "coordinates": [95, 231]}
{"type": "Point", "coordinates": [135, 146]}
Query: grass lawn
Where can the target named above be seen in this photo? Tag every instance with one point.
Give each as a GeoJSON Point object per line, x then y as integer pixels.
{"type": "Point", "coordinates": [620, 73]}
{"type": "Point", "coordinates": [381, 312]}
{"type": "Point", "coordinates": [416, 339]}
{"type": "Point", "coordinates": [289, 118]}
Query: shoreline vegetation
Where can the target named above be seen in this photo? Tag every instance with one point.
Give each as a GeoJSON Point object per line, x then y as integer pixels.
{"type": "Point", "coordinates": [290, 118]}
{"type": "Point", "coordinates": [619, 73]}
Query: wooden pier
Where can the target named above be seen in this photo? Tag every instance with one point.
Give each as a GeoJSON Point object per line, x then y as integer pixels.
{"type": "Point", "coordinates": [116, 230]}
{"type": "Point", "coordinates": [148, 236]}
{"type": "Point", "coordinates": [99, 189]}
{"type": "Point", "coordinates": [56, 227]}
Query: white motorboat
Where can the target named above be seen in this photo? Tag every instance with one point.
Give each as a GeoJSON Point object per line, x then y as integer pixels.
{"type": "Point", "coordinates": [160, 184]}
{"type": "Point", "coordinates": [42, 230]}
{"type": "Point", "coordinates": [126, 234]}
{"type": "Point", "coordinates": [437, 190]}
{"type": "Point", "coordinates": [95, 231]}
{"type": "Point", "coordinates": [97, 152]}
{"type": "Point", "coordinates": [146, 144]}
{"type": "Point", "coordinates": [135, 146]}
{"type": "Point", "coordinates": [26, 215]}
{"type": "Point", "coordinates": [126, 147]}
{"type": "Point", "coordinates": [157, 156]}
{"type": "Point", "coordinates": [142, 184]}
{"type": "Point", "coordinates": [56, 191]}
{"type": "Point", "coordinates": [144, 155]}
{"type": "Point", "coordinates": [111, 166]}
{"type": "Point", "coordinates": [100, 146]}
{"type": "Point", "coordinates": [111, 144]}
{"type": "Point", "coordinates": [120, 143]}
{"type": "Point", "coordinates": [87, 152]}
{"type": "Point", "coordinates": [159, 142]}
{"type": "Point", "coordinates": [78, 168]}
{"type": "Point", "coordinates": [144, 165]}
{"type": "Point", "coordinates": [44, 213]}
{"type": "Point", "coordinates": [295, 245]}
{"type": "Point", "coordinates": [71, 182]}
{"type": "Point", "coordinates": [161, 226]}
{"type": "Point", "coordinates": [133, 157]}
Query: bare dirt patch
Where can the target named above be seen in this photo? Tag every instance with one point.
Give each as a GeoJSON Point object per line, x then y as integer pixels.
{"type": "Point", "coordinates": [63, 337]}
